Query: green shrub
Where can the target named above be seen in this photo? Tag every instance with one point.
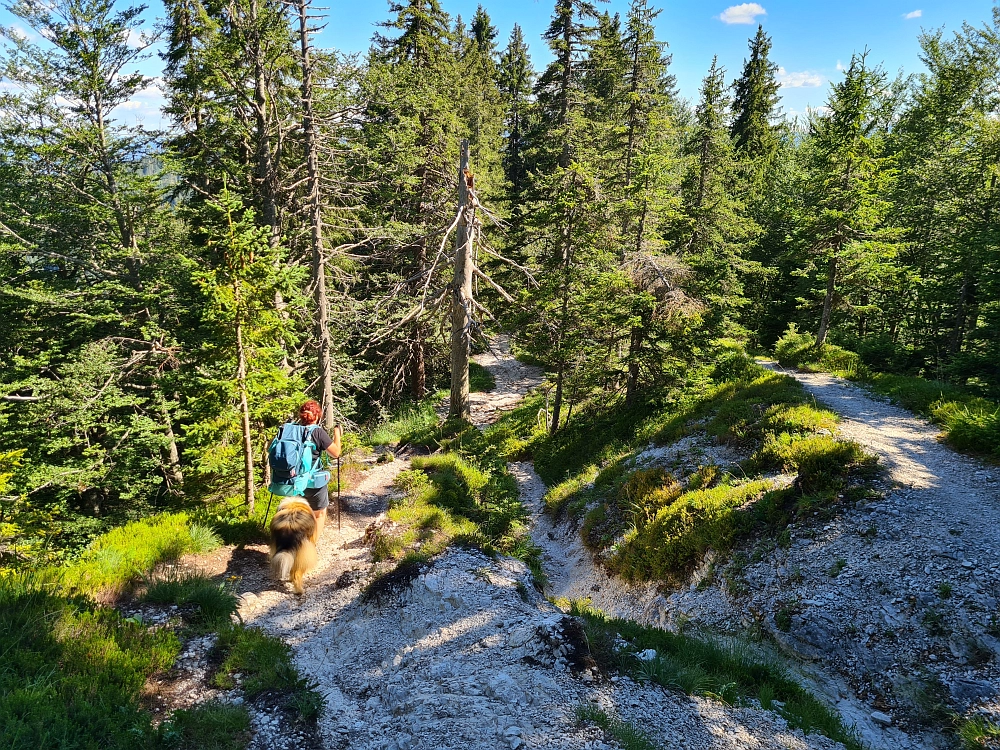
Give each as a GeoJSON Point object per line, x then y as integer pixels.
{"type": "Point", "coordinates": [673, 540]}
{"type": "Point", "coordinates": [73, 673]}
{"type": "Point", "coordinates": [124, 554]}
{"type": "Point", "coordinates": [799, 350]}
{"type": "Point", "coordinates": [208, 726]}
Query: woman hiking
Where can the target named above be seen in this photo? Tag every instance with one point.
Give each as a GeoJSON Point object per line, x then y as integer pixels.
{"type": "Point", "coordinates": [319, 497]}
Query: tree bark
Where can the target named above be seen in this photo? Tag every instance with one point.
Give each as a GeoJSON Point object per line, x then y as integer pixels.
{"type": "Point", "coordinates": [315, 208]}
{"type": "Point", "coordinates": [831, 288]}
{"type": "Point", "coordinates": [461, 309]}
{"type": "Point", "coordinates": [241, 388]}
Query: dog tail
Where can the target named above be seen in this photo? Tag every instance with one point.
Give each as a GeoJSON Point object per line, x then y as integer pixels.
{"type": "Point", "coordinates": [281, 564]}
{"type": "Point", "coordinates": [305, 560]}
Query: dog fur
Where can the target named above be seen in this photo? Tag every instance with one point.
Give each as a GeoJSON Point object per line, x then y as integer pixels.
{"type": "Point", "coordinates": [294, 534]}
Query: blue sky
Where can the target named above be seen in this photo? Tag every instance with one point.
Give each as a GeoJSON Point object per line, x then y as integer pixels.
{"type": "Point", "coordinates": [810, 38]}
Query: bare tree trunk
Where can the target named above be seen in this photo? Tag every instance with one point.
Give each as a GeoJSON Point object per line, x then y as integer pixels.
{"type": "Point", "coordinates": [241, 388]}
{"type": "Point", "coordinates": [315, 207]}
{"type": "Point", "coordinates": [635, 343]}
{"type": "Point", "coordinates": [266, 178]}
{"type": "Point", "coordinates": [961, 313]}
{"type": "Point", "coordinates": [831, 288]}
{"type": "Point", "coordinates": [174, 473]}
{"type": "Point", "coordinates": [461, 306]}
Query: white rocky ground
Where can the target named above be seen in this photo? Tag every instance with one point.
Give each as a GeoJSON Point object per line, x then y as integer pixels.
{"type": "Point", "coordinates": [469, 655]}
{"type": "Point", "coordinates": [891, 607]}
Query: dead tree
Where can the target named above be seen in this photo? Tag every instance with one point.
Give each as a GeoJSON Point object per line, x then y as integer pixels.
{"type": "Point", "coordinates": [461, 305]}
{"type": "Point", "coordinates": [314, 207]}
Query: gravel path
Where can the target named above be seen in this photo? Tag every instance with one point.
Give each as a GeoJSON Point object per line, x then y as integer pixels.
{"type": "Point", "coordinates": [469, 655]}
{"type": "Point", "coordinates": [895, 601]}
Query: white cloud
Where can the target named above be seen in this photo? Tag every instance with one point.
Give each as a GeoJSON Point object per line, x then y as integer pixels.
{"type": "Point", "coordinates": [913, 14]}
{"type": "Point", "coordinates": [799, 80]}
{"type": "Point", "coordinates": [840, 66]}
{"type": "Point", "coordinates": [744, 13]}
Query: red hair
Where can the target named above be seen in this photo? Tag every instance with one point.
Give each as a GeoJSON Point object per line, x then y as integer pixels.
{"type": "Point", "coordinates": [310, 412]}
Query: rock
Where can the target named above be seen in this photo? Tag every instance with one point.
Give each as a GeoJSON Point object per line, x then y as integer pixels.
{"type": "Point", "coordinates": [880, 718]}
{"type": "Point", "coordinates": [971, 691]}
{"type": "Point", "coordinates": [648, 655]}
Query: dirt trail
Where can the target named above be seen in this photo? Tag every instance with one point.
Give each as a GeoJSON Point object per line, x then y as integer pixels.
{"type": "Point", "coordinates": [467, 655]}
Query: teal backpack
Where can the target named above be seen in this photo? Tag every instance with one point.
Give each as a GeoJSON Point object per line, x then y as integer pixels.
{"type": "Point", "coordinates": [294, 468]}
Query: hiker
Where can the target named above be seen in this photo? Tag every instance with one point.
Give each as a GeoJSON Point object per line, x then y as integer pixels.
{"type": "Point", "coordinates": [318, 497]}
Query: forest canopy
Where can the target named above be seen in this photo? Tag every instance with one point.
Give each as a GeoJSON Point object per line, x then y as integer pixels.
{"type": "Point", "coordinates": [169, 297]}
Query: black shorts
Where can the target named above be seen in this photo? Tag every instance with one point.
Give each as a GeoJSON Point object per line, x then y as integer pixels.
{"type": "Point", "coordinates": [318, 497]}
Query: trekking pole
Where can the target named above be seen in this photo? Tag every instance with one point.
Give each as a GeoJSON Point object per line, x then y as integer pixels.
{"type": "Point", "coordinates": [270, 497]}
{"type": "Point", "coordinates": [338, 493]}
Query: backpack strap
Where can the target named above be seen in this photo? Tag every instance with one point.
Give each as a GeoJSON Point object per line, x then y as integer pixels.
{"type": "Point", "coordinates": [308, 437]}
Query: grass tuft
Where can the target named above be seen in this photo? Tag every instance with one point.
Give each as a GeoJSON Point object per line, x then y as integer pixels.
{"type": "Point", "coordinates": [625, 734]}
{"type": "Point", "coordinates": [208, 726]}
{"type": "Point", "coordinates": [265, 663]}
{"type": "Point", "coordinates": [214, 602]}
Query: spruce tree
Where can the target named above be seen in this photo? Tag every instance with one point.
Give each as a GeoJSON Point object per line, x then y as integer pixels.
{"type": "Point", "coordinates": [89, 256]}
{"type": "Point", "coordinates": [755, 108]}
{"type": "Point", "coordinates": [516, 78]}
{"type": "Point", "coordinates": [847, 189]}
{"type": "Point", "coordinates": [718, 228]}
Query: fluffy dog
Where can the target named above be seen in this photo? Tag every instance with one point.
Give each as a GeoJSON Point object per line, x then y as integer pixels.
{"type": "Point", "coordinates": [294, 533]}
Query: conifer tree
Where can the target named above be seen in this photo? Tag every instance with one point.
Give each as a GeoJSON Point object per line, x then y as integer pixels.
{"type": "Point", "coordinates": [88, 251]}
{"type": "Point", "coordinates": [847, 189]}
{"type": "Point", "coordinates": [412, 132]}
{"type": "Point", "coordinates": [755, 107]}
{"type": "Point", "coordinates": [243, 387]}
{"type": "Point", "coordinates": [516, 78]}
{"type": "Point", "coordinates": [718, 226]}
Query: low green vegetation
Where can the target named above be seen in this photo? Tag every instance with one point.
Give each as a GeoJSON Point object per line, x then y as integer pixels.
{"type": "Point", "coordinates": [262, 664]}
{"type": "Point", "coordinates": [448, 499]}
{"type": "Point", "coordinates": [625, 734]}
{"type": "Point", "coordinates": [978, 733]}
{"type": "Point", "coordinates": [481, 380]}
{"type": "Point", "coordinates": [729, 670]}
{"type": "Point", "coordinates": [659, 523]}
{"type": "Point", "coordinates": [73, 672]}
{"type": "Point", "coordinates": [412, 423]}
{"type": "Point", "coordinates": [208, 726]}
{"type": "Point", "coordinates": [123, 555]}
{"type": "Point", "coordinates": [210, 603]}
{"type": "Point", "coordinates": [970, 422]}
